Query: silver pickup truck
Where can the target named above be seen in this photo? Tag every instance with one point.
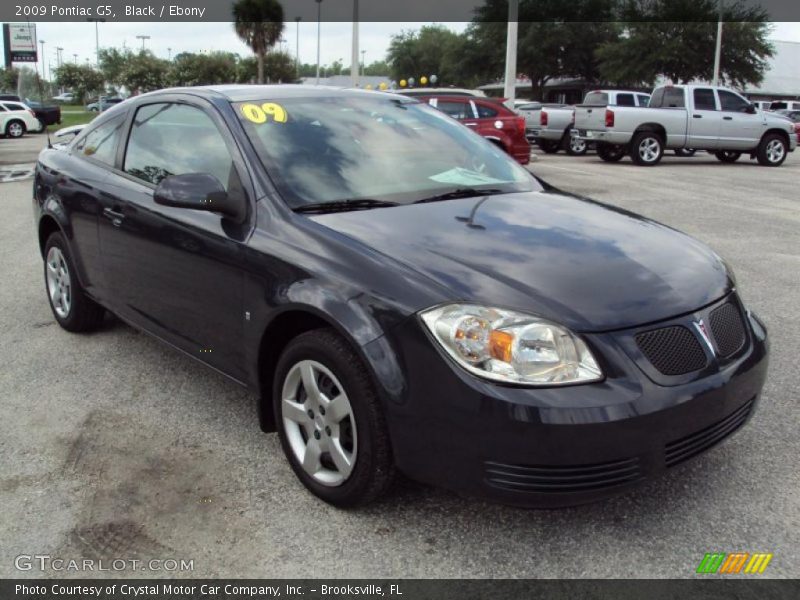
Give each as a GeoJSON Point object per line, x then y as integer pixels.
{"type": "Point", "coordinates": [700, 117]}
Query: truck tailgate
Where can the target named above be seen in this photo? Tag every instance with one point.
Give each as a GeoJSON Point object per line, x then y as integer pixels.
{"type": "Point", "coordinates": [590, 117]}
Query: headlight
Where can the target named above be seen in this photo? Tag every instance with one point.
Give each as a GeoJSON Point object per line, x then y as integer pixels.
{"type": "Point", "coordinates": [511, 347]}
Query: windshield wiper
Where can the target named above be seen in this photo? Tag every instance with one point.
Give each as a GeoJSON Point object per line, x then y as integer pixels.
{"type": "Point", "coordinates": [465, 192]}
{"type": "Point", "coordinates": [343, 205]}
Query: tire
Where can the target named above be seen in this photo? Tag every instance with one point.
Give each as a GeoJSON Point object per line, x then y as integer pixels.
{"type": "Point", "coordinates": [727, 156]}
{"type": "Point", "coordinates": [573, 145]}
{"type": "Point", "coordinates": [685, 152]}
{"type": "Point", "coordinates": [15, 129]}
{"type": "Point", "coordinates": [772, 150]}
{"type": "Point", "coordinates": [549, 146]}
{"type": "Point", "coordinates": [610, 152]}
{"type": "Point", "coordinates": [41, 127]}
{"type": "Point", "coordinates": [647, 149]}
{"type": "Point", "coordinates": [363, 468]}
{"type": "Point", "coordinates": [94, 109]}
{"type": "Point", "coordinates": [71, 307]}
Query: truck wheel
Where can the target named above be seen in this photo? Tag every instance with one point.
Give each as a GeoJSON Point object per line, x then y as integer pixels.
{"type": "Point", "coordinates": [772, 150]}
{"type": "Point", "coordinates": [685, 152]}
{"type": "Point", "coordinates": [574, 146]}
{"type": "Point", "coordinates": [611, 152]}
{"type": "Point", "coordinates": [549, 146]}
{"type": "Point", "coordinates": [647, 149]}
{"type": "Point", "coordinates": [41, 127]}
{"type": "Point", "coordinates": [727, 156]}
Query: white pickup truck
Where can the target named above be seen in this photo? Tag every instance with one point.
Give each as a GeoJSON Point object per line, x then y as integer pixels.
{"type": "Point", "coordinates": [700, 117]}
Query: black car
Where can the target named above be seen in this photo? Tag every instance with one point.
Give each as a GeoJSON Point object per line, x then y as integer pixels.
{"type": "Point", "coordinates": [401, 295]}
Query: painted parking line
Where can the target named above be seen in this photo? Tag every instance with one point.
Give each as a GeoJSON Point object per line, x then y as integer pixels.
{"type": "Point", "coordinates": [16, 172]}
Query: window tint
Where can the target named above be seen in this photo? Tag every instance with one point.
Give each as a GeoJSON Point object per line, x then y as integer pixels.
{"type": "Point", "coordinates": [14, 106]}
{"type": "Point", "coordinates": [704, 99]}
{"type": "Point", "coordinates": [485, 112]}
{"type": "Point", "coordinates": [3, 108]}
{"type": "Point", "coordinates": [101, 142]}
{"type": "Point", "coordinates": [598, 98]}
{"type": "Point", "coordinates": [673, 98]}
{"type": "Point", "coordinates": [173, 139]}
{"type": "Point", "coordinates": [657, 99]}
{"type": "Point", "coordinates": [625, 100]}
{"type": "Point", "coordinates": [732, 102]}
{"type": "Point", "coordinates": [457, 110]}
{"type": "Point", "coordinates": [644, 99]}
{"type": "Point", "coordinates": [778, 106]}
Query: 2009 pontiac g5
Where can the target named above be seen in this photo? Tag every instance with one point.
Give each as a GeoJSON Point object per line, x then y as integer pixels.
{"type": "Point", "coordinates": [399, 292]}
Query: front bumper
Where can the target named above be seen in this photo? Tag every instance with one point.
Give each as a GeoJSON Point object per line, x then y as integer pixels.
{"type": "Point", "coordinates": [562, 446]}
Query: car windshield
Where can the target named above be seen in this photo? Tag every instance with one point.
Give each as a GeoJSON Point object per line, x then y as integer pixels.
{"type": "Point", "coordinates": [375, 147]}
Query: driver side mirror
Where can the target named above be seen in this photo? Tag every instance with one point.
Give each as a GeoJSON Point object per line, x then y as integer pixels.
{"type": "Point", "coordinates": [199, 191]}
{"type": "Point", "coordinates": [750, 109]}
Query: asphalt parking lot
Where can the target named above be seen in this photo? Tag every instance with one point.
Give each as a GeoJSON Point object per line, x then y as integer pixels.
{"type": "Point", "coordinates": [115, 446]}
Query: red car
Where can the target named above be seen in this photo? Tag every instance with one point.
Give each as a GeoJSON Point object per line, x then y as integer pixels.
{"type": "Point", "coordinates": [489, 118]}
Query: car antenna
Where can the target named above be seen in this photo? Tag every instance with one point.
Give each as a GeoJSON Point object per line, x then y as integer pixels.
{"type": "Point", "coordinates": [41, 90]}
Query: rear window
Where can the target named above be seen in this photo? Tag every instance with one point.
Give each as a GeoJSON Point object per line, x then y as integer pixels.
{"type": "Point", "coordinates": [625, 100]}
{"type": "Point", "coordinates": [485, 112]}
{"type": "Point", "coordinates": [644, 99]}
{"type": "Point", "coordinates": [778, 106]}
{"type": "Point", "coordinates": [668, 97]}
{"type": "Point", "coordinates": [598, 98]}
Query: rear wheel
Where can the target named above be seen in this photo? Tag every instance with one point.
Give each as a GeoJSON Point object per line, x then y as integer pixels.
{"type": "Point", "coordinates": [772, 150]}
{"type": "Point", "coordinates": [727, 156]}
{"type": "Point", "coordinates": [647, 149]}
{"type": "Point", "coordinates": [330, 420]}
{"type": "Point", "coordinates": [685, 152]}
{"type": "Point", "coordinates": [610, 152]}
{"type": "Point", "coordinates": [71, 307]}
{"type": "Point", "coordinates": [574, 146]}
{"type": "Point", "coordinates": [15, 129]}
{"type": "Point", "coordinates": [549, 146]}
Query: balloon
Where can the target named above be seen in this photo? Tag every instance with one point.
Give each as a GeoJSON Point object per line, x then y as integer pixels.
{"type": "Point", "coordinates": [402, 83]}
{"type": "Point", "coordinates": [382, 86]}
{"type": "Point", "coordinates": [434, 79]}
{"type": "Point", "coordinates": [423, 80]}
{"type": "Point", "coordinates": [411, 81]}
{"type": "Point", "coordinates": [368, 86]}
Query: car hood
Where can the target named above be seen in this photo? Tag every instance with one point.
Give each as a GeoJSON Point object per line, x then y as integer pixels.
{"type": "Point", "coordinates": [578, 262]}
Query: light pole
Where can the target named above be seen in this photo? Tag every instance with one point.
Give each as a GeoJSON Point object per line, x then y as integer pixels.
{"type": "Point", "coordinates": [718, 49]}
{"type": "Point", "coordinates": [510, 90]}
{"type": "Point", "coordinates": [363, 63]}
{"type": "Point", "coordinates": [169, 53]}
{"type": "Point", "coordinates": [143, 38]}
{"type": "Point", "coordinates": [44, 75]}
{"type": "Point", "coordinates": [59, 50]}
{"type": "Point", "coordinates": [319, 21]}
{"type": "Point", "coordinates": [354, 50]}
{"type": "Point", "coordinates": [96, 20]}
{"type": "Point", "coordinates": [75, 58]}
{"type": "Point", "coordinates": [297, 50]}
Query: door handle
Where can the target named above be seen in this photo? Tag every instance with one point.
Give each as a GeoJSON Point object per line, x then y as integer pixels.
{"type": "Point", "coordinates": [114, 216]}
{"type": "Point", "coordinates": [697, 116]}
{"type": "Point", "coordinates": [728, 118]}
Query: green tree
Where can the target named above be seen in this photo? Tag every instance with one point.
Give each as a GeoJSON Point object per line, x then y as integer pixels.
{"type": "Point", "coordinates": [378, 67]}
{"type": "Point", "coordinates": [433, 50]}
{"type": "Point", "coordinates": [9, 79]}
{"type": "Point", "coordinates": [278, 68]}
{"type": "Point", "coordinates": [675, 39]}
{"type": "Point", "coordinates": [188, 68]}
{"type": "Point", "coordinates": [259, 24]}
{"type": "Point", "coordinates": [144, 72]}
{"type": "Point", "coordinates": [83, 80]}
{"type": "Point", "coordinates": [112, 63]}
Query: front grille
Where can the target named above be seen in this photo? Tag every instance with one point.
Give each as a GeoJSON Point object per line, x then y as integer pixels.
{"type": "Point", "coordinates": [728, 329]}
{"type": "Point", "coordinates": [700, 441]}
{"type": "Point", "coordinates": [672, 350]}
{"type": "Point", "coordinates": [563, 479]}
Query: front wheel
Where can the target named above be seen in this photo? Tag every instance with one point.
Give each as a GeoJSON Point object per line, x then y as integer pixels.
{"type": "Point", "coordinates": [772, 150]}
{"type": "Point", "coordinates": [685, 152]}
{"type": "Point", "coordinates": [647, 149]}
{"type": "Point", "coordinates": [549, 146]}
{"type": "Point", "coordinates": [330, 420]}
{"type": "Point", "coordinates": [610, 152]}
{"type": "Point", "coordinates": [71, 307]}
{"type": "Point", "coordinates": [575, 146]}
{"type": "Point", "coordinates": [727, 156]}
{"type": "Point", "coordinates": [15, 129]}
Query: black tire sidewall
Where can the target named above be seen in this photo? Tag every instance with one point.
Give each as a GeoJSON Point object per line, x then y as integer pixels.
{"type": "Point", "coordinates": [331, 350]}
{"type": "Point", "coordinates": [728, 156]}
{"type": "Point", "coordinates": [548, 146]}
{"type": "Point", "coordinates": [568, 146]}
{"type": "Point", "coordinates": [8, 129]}
{"type": "Point", "coordinates": [610, 153]}
{"type": "Point", "coordinates": [762, 150]}
{"type": "Point", "coordinates": [636, 142]}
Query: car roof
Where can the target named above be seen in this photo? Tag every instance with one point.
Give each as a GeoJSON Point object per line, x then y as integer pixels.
{"type": "Point", "coordinates": [242, 93]}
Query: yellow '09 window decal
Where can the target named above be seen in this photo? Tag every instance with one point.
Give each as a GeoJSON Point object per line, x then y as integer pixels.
{"type": "Point", "coordinates": [269, 111]}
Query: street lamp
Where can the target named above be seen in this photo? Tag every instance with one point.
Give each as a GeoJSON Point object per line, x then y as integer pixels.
{"type": "Point", "coordinates": [75, 58]}
{"type": "Point", "coordinates": [143, 38]}
{"type": "Point", "coordinates": [44, 75]}
{"type": "Point", "coordinates": [718, 49]}
{"type": "Point", "coordinates": [363, 63]}
{"type": "Point", "coordinates": [96, 20]}
{"type": "Point", "coordinates": [354, 47]}
{"type": "Point", "coordinates": [319, 21]}
{"type": "Point", "coordinates": [297, 50]}
{"type": "Point", "coordinates": [169, 53]}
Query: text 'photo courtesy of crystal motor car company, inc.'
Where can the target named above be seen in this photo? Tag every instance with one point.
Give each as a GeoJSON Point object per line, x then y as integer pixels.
{"type": "Point", "coordinates": [455, 319]}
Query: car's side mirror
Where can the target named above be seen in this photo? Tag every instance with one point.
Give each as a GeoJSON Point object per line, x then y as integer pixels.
{"type": "Point", "coordinates": [199, 191]}
{"type": "Point", "coordinates": [750, 109]}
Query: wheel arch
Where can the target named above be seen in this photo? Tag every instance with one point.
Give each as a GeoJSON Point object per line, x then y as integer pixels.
{"type": "Point", "coordinates": [781, 132]}
{"type": "Point", "coordinates": [15, 120]}
{"type": "Point", "coordinates": [656, 128]}
{"type": "Point", "coordinates": [47, 226]}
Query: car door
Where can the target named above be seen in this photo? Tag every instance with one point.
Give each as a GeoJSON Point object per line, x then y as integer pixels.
{"type": "Point", "coordinates": [741, 127]}
{"type": "Point", "coordinates": [176, 272]}
{"type": "Point", "coordinates": [704, 120]}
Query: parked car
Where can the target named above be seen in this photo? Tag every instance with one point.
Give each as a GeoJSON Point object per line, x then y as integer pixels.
{"type": "Point", "coordinates": [103, 104]}
{"type": "Point", "coordinates": [548, 126]}
{"type": "Point", "coordinates": [785, 105]}
{"type": "Point", "coordinates": [430, 91]}
{"type": "Point", "coordinates": [762, 104]}
{"type": "Point", "coordinates": [489, 118]}
{"type": "Point", "coordinates": [398, 294]}
{"type": "Point", "coordinates": [16, 119]}
{"type": "Point", "coordinates": [691, 116]}
{"type": "Point", "coordinates": [65, 97]}
{"type": "Point", "coordinates": [47, 115]}
{"type": "Point", "coordinates": [794, 117]}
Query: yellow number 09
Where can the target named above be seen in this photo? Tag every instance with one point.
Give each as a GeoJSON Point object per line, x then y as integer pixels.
{"type": "Point", "coordinates": [260, 114]}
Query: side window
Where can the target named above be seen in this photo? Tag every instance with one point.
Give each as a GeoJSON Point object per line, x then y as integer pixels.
{"type": "Point", "coordinates": [173, 139]}
{"type": "Point", "coordinates": [485, 112]}
{"type": "Point", "coordinates": [3, 108]}
{"type": "Point", "coordinates": [673, 98]}
{"type": "Point", "coordinates": [14, 106]}
{"type": "Point", "coordinates": [644, 99]}
{"type": "Point", "coordinates": [731, 102]}
{"type": "Point", "coordinates": [657, 101]}
{"type": "Point", "coordinates": [625, 100]}
{"type": "Point", "coordinates": [457, 110]}
{"type": "Point", "coordinates": [704, 99]}
{"type": "Point", "coordinates": [101, 142]}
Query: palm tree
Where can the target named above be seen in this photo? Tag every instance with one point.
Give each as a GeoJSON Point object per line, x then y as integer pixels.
{"type": "Point", "coordinates": [259, 24]}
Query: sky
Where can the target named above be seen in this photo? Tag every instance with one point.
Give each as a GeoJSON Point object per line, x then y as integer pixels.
{"type": "Point", "coordinates": [79, 38]}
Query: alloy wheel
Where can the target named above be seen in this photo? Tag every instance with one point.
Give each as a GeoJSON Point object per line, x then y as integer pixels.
{"type": "Point", "coordinates": [319, 423]}
{"type": "Point", "coordinates": [59, 284]}
{"type": "Point", "coordinates": [649, 149]}
{"type": "Point", "coordinates": [15, 130]}
{"type": "Point", "coordinates": [775, 151]}
{"type": "Point", "coordinates": [577, 145]}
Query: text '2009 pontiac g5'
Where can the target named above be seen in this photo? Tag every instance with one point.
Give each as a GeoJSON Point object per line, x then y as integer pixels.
{"type": "Point", "coordinates": [401, 295]}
